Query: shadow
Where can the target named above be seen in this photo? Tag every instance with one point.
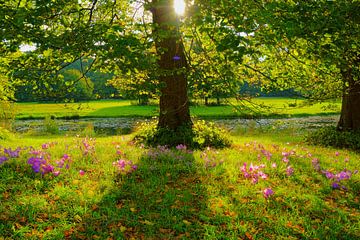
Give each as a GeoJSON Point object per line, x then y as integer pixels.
{"type": "Point", "coordinates": [160, 200]}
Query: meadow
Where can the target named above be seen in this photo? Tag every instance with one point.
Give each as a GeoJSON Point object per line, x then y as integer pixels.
{"type": "Point", "coordinates": [267, 185]}
{"type": "Point", "coordinates": [264, 107]}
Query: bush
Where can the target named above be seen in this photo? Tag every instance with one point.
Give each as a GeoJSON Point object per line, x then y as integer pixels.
{"type": "Point", "coordinates": [50, 125]}
{"type": "Point", "coordinates": [5, 134]}
{"type": "Point", "coordinates": [201, 135]}
{"type": "Point", "coordinates": [7, 114]}
{"type": "Point", "coordinates": [329, 136]}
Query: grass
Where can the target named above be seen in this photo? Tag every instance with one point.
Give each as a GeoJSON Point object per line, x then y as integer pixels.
{"type": "Point", "coordinates": [266, 107]}
{"type": "Point", "coordinates": [179, 194]}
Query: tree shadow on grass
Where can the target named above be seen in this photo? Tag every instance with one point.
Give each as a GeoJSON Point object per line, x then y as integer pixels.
{"type": "Point", "coordinates": [160, 200]}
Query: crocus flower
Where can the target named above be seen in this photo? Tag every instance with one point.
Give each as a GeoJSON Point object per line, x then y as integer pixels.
{"type": "Point", "coordinates": [47, 169]}
{"type": "Point", "coordinates": [289, 171]}
{"type": "Point", "coordinates": [12, 153]}
{"type": "Point", "coordinates": [181, 147]}
{"type": "Point", "coordinates": [45, 146]}
{"type": "Point", "coordinates": [285, 159]}
{"type": "Point", "coordinates": [3, 159]}
{"type": "Point", "coordinates": [267, 192]}
{"type": "Point", "coordinates": [335, 185]}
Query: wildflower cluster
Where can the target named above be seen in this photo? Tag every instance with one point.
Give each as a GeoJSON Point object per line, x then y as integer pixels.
{"type": "Point", "coordinates": [163, 152]}
{"type": "Point", "coordinates": [210, 158]}
{"type": "Point", "coordinates": [338, 177]}
{"type": "Point", "coordinates": [253, 172]}
{"type": "Point", "coordinates": [9, 153]}
{"type": "Point", "coordinates": [40, 162]}
{"type": "Point", "coordinates": [262, 152]}
{"type": "Point", "coordinates": [87, 146]}
{"type": "Point", "coordinates": [123, 166]}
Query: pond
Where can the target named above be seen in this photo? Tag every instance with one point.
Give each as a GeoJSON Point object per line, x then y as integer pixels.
{"type": "Point", "coordinates": [114, 126]}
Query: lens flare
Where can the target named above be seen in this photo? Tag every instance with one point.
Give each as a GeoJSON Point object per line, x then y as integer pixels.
{"type": "Point", "coordinates": [179, 6]}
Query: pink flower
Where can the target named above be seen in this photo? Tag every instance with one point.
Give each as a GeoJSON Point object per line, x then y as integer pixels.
{"type": "Point", "coordinates": [56, 173]}
{"type": "Point", "coordinates": [289, 171]}
{"type": "Point", "coordinates": [337, 153]}
{"type": "Point", "coordinates": [267, 192]}
{"type": "Point", "coordinates": [274, 165]}
{"type": "Point", "coordinates": [81, 172]}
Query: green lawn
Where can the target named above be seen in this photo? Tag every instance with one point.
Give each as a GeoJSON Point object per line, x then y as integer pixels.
{"type": "Point", "coordinates": [268, 107]}
{"type": "Point", "coordinates": [176, 194]}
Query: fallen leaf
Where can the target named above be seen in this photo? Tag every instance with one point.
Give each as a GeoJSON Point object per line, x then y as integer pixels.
{"type": "Point", "coordinates": [186, 222]}
{"type": "Point", "coordinates": [148, 223]}
{"type": "Point", "coordinates": [248, 236]}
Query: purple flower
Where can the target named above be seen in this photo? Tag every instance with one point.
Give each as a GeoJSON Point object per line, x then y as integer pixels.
{"type": "Point", "coordinates": [45, 146]}
{"type": "Point", "coordinates": [255, 180]}
{"type": "Point", "coordinates": [12, 153]}
{"type": "Point", "coordinates": [176, 58]}
{"type": "Point", "coordinates": [36, 163]}
{"type": "Point", "coordinates": [267, 192]}
{"type": "Point", "coordinates": [285, 159]}
{"type": "Point", "coordinates": [343, 175]}
{"type": "Point", "coordinates": [335, 185]}
{"type": "Point", "coordinates": [243, 168]}
{"type": "Point", "coordinates": [262, 175]}
{"type": "Point", "coordinates": [285, 154]}
{"type": "Point", "coordinates": [289, 171]}
{"type": "Point", "coordinates": [316, 164]}
{"type": "Point", "coordinates": [47, 169]}
{"type": "Point", "coordinates": [181, 147]}
{"type": "Point", "coordinates": [329, 175]}
{"type": "Point", "coordinates": [81, 172]}
{"type": "Point", "coordinates": [3, 159]}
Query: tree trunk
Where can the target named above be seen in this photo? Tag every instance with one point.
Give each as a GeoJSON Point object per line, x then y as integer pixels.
{"type": "Point", "coordinates": [174, 104]}
{"type": "Point", "coordinates": [350, 109]}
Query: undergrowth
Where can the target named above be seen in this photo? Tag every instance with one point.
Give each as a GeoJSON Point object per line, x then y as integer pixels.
{"type": "Point", "coordinates": [330, 137]}
{"type": "Point", "coordinates": [201, 135]}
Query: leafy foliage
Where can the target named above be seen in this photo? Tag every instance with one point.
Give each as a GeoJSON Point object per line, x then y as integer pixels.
{"type": "Point", "coordinates": [201, 135]}
{"type": "Point", "coordinates": [330, 136]}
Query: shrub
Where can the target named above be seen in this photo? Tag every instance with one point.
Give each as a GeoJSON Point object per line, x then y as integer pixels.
{"type": "Point", "coordinates": [5, 134]}
{"type": "Point", "coordinates": [50, 125]}
{"type": "Point", "coordinates": [7, 114]}
{"type": "Point", "coordinates": [201, 135]}
{"type": "Point", "coordinates": [329, 136]}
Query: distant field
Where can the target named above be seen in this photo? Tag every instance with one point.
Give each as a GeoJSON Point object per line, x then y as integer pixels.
{"type": "Point", "coordinates": [265, 107]}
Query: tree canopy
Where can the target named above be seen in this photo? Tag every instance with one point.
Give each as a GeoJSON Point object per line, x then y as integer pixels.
{"type": "Point", "coordinates": [309, 46]}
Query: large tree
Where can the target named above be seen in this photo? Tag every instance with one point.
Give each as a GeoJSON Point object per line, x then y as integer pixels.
{"type": "Point", "coordinates": [312, 46]}
{"type": "Point", "coordinates": [313, 43]}
{"type": "Point", "coordinates": [106, 31]}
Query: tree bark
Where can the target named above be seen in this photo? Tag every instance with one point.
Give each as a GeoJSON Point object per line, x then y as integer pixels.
{"type": "Point", "coordinates": [350, 109]}
{"type": "Point", "coordinates": [174, 104]}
